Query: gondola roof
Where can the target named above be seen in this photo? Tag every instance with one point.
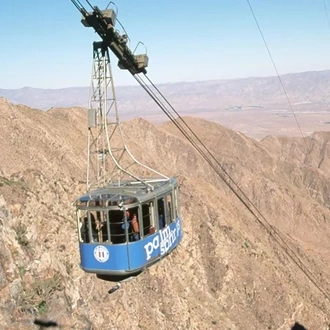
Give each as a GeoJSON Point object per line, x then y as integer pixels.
{"type": "Point", "coordinates": [127, 192]}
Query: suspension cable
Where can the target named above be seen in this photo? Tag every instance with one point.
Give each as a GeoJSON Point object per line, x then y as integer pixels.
{"type": "Point", "coordinates": [90, 4]}
{"type": "Point", "coordinates": [326, 13]}
{"type": "Point", "coordinates": [277, 73]}
{"type": "Point", "coordinates": [77, 4]}
{"type": "Point", "coordinates": [208, 156]}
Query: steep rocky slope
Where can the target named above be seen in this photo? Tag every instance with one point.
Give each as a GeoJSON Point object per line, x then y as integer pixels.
{"type": "Point", "coordinates": [228, 272]}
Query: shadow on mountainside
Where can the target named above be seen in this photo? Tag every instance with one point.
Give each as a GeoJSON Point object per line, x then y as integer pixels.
{"type": "Point", "coordinates": [50, 324]}
{"type": "Point", "coordinates": [298, 326]}
{"type": "Point", "coordinates": [117, 278]}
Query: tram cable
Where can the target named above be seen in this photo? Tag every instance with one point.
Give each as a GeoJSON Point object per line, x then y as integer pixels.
{"type": "Point", "coordinates": [277, 73]}
{"type": "Point", "coordinates": [326, 13]}
{"type": "Point", "coordinates": [208, 156]}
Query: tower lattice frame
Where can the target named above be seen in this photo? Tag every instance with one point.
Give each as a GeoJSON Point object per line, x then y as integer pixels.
{"type": "Point", "coordinates": [109, 159]}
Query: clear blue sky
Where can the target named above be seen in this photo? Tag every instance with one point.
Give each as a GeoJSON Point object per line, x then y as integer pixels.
{"type": "Point", "coordinates": [43, 43]}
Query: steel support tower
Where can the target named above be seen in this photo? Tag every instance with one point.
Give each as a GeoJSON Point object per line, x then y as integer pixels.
{"type": "Point", "coordinates": [109, 159]}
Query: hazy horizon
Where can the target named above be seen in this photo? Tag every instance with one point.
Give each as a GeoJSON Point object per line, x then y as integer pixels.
{"type": "Point", "coordinates": [171, 82]}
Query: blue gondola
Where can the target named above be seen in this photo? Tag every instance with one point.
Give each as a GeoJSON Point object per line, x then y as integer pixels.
{"type": "Point", "coordinates": [109, 241]}
{"type": "Point", "coordinates": [125, 223]}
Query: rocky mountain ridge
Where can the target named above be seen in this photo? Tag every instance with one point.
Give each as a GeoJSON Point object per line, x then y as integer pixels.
{"type": "Point", "coordinates": [228, 272]}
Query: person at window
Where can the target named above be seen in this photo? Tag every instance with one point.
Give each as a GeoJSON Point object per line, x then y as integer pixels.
{"type": "Point", "coordinates": [95, 237]}
{"type": "Point", "coordinates": [132, 224]}
{"type": "Point", "coordinates": [126, 224]}
{"type": "Point", "coordinates": [161, 222]}
{"type": "Point", "coordinates": [135, 228]}
{"type": "Point", "coordinates": [128, 218]}
{"type": "Point", "coordinates": [84, 230]}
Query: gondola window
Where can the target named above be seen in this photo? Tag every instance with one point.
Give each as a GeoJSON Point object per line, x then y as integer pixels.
{"type": "Point", "coordinates": [161, 213]}
{"type": "Point", "coordinates": [168, 216]}
{"type": "Point", "coordinates": [147, 220]}
{"type": "Point", "coordinates": [176, 203]}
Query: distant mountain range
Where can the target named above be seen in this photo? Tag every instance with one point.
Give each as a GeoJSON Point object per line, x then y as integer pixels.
{"type": "Point", "coordinates": [234, 94]}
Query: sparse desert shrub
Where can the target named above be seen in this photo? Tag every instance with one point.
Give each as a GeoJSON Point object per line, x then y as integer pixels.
{"type": "Point", "coordinates": [22, 270]}
{"type": "Point", "coordinates": [68, 266]}
{"type": "Point", "coordinates": [35, 297]}
{"type": "Point", "coordinates": [12, 183]}
{"type": "Point", "coordinates": [21, 230]}
{"type": "Point", "coordinates": [246, 244]}
{"type": "Point", "coordinates": [5, 182]}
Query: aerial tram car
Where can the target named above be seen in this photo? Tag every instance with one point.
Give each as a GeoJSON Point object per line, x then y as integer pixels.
{"type": "Point", "coordinates": [129, 217]}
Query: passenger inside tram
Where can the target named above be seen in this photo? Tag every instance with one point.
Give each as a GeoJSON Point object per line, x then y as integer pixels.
{"type": "Point", "coordinates": [132, 225]}
{"type": "Point", "coordinates": [135, 228]}
{"type": "Point", "coordinates": [95, 229]}
{"type": "Point", "coordinates": [84, 229]}
{"type": "Point", "coordinates": [161, 217]}
{"type": "Point", "coordinates": [161, 222]}
{"type": "Point", "coordinates": [110, 226]}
